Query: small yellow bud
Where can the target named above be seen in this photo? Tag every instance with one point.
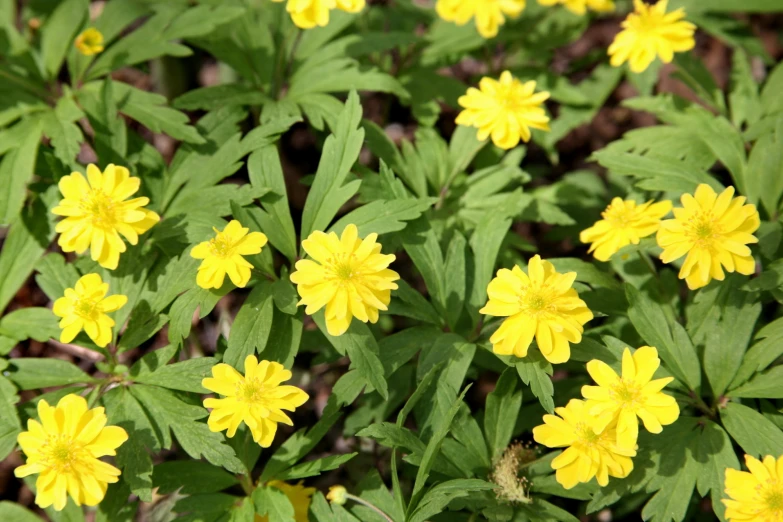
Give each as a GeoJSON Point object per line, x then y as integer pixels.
{"type": "Point", "coordinates": [337, 495]}
{"type": "Point", "coordinates": [89, 42]}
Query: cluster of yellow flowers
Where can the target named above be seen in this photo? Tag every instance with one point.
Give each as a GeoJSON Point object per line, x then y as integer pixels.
{"type": "Point", "coordinates": [713, 230]}
{"type": "Point", "coordinates": [307, 14]}
{"type": "Point", "coordinates": [507, 109]}
{"type": "Point", "coordinates": [600, 433]}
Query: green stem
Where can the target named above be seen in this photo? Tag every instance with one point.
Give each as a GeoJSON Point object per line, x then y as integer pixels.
{"type": "Point", "coordinates": [247, 484]}
{"type": "Point", "coordinates": [648, 263]}
{"type": "Point", "coordinates": [368, 505]}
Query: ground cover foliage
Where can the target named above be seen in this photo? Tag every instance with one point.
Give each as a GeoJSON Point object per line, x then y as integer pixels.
{"type": "Point", "coordinates": [336, 260]}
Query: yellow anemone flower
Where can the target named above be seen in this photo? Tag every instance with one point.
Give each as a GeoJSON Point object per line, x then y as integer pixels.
{"type": "Point", "coordinates": [590, 451]}
{"type": "Point", "coordinates": [96, 213]}
{"type": "Point", "coordinates": [255, 398]}
{"type": "Point", "coordinates": [223, 255]}
{"type": "Point", "coordinates": [505, 110]}
{"type": "Point", "coordinates": [351, 6]}
{"type": "Point", "coordinates": [623, 223]}
{"type": "Point", "coordinates": [84, 307]}
{"type": "Point", "coordinates": [622, 399]}
{"type": "Point", "coordinates": [299, 496]}
{"type": "Point", "coordinates": [347, 275]}
{"type": "Point", "coordinates": [337, 495]}
{"type": "Point", "coordinates": [580, 7]}
{"type": "Point", "coordinates": [651, 31]}
{"type": "Point", "coordinates": [714, 231]}
{"type": "Point", "coordinates": [540, 304]}
{"type": "Point", "coordinates": [89, 42]}
{"type": "Point", "coordinates": [758, 495]}
{"type": "Point", "coordinates": [307, 14]}
{"type": "Point", "coordinates": [64, 447]}
{"type": "Point", "coordinates": [489, 14]}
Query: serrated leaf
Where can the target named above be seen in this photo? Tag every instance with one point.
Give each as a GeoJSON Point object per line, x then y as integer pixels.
{"type": "Point", "coordinates": [755, 434]}
{"type": "Point", "coordinates": [362, 348]}
{"type": "Point", "coordinates": [184, 376]}
{"type": "Point", "coordinates": [500, 415]}
{"type": "Point", "coordinates": [273, 503]}
{"type": "Point", "coordinates": [252, 326]}
{"type": "Point", "coordinates": [536, 372]}
{"type": "Point", "coordinates": [31, 373]}
{"type": "Point", "coordinates": [341, 150]}
{"type": "Point", "coordinates": [16, 171]}
{"type": "Point", "coordinates": [312, 468]}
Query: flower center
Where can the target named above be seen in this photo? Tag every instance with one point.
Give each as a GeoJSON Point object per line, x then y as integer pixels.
{"type": "Point", "coordinates": [62, 453]}
{"type": "Point", "coordinates": [535, 302]}
{"type": "Point", "coordinates": [586, 435]}
{"type": "Point", "coordinates": [344, 268]}
{"type": "Point", "coordinates": [101, 208]}
{"type": "Point", "coordinates": [626, 393]}
{"type": "Point", "coordinates": [620, 218]}
{"type": "Point", "coordinates": [221, 245]}
{"type": "Point", "coordinates": [772, 496]}
{"type": "Point", "coordinates": [251, 390]}
{"type": "Point", "coordinates": [86, 308]}
{"type": "Point", "coordinates": [703, 230]}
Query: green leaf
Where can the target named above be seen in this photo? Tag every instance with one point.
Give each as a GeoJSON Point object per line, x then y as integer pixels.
{"type": "Point", "coordinates": [123, 410]}
{"type": "Point", "coordinates": [393, 436]}
{"type": "Point", "coordinates": [195, 438]}
{"type": "Point", "coordinates": [16, 171]}
{"type": "Point", "coordinates": [313, 468]}
{"type": "Point", "coordinates": [744, 99]}
{"type": "Point", "coordinates": [65, 136]}
{"type": "Point", "coordinates": [674, 346]}
{"type": "Point", "coordinates": [656, 173]}
{"type": "Point", "coordinates": [437, 498]}
{"type": "Point", "coordinates": [536, 372]}
{"type": "Point", "coordinates": [454, 289]}
{"type": "Point", "coordinates": [383, 216]}
{"type": "Point", "coordinates": [181, 314]}
{"type": "Point", "coordinates": [715, 454]}
{"type": "Point", "coordinates": [13, 511]}
{"type": "Point", "coordinates": [500, 414]}
{"type": "Point", "coordinates": [273, 503]}
{"type": "Point", "coordinates": [184, 376]}
{"type": "Point", "coordinates": [299, 444]}
{"type": "Point", "coordinates": [362, 348]}
{"type": "Point", "coordinates": [726, 344]}
{"type": "Point", "coordinates": [193, 477]}
{"type": "Point", "coordinates": [407, 302]}
{"type": "Point", "coordinates": [764, 385]}
{"type": "Point", "coordinates": [10, 425]}
{"type": "Point", "coordinates": [58, 33]}
{"type": "Point", "coordinates": [764, 171]}
{"type": "Point", "coordinates": [30, 373]}
{"type": "Point", "coordinates": [30, 323]}
{"type": "Point", "coordinates": [55, 275]}
{"type": "Point", "coordinates": [216, 96]}
{"type": "Point", "coordinates": [341, 150]}
{"type": "Point", "coordinates": [266, 172]}
{"type": "Point", "coordinates": [432, 451]}
{"type": "Point", "coordinates": [765, 351]}
{"type": "Point", "coordinates": [695, 75]}
{"type": "Point", "coordinates": [252, 326]}
{"type": "Point", "coordinates": [755, 434]}
{"type": "Point", "coordinates": [421, 244]}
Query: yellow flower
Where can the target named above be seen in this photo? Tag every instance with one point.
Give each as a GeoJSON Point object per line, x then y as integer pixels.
{"type": "Point", "coordinates": [580, 7]}
{"type": "Point", "coordinates": [257, 398]}
{"type": "Point", "coordinates": [223, 255]}
{"type": "Point", "coordinates": [337, 495]}
{"type": "Point", "coordinates": [506, 110]}
{"type": "Point", "coordinates": [622, 399]}
{"type": "Point", "coordinates": [348, 275]}
{"type": "Point", "coordinates": [64, 448]}
{"type": "Point", "coordinates": [756, 496]}
{"type": "Point", "coordinates": [489, 14]}
{"type": "Point", "coordinates": [84, 307]}
{"type": "Point", "coordinates": [351, 6]}
{"type": "Point", "coordinates": [96, 213]}
{"type": "Point", "coordinates": [307, 14]}
{"type": "Point", "coordinates": [651, 31]}
{"type": "Point", "coordinates": [89, 42]}
{"type": "Point", "coordinates": [591, 449]}
{"type": "Point", "coordinates": [623, 223]}
{"type": "Point", "coordinates": [714, 231]}
{"type": "Point", "coordinates": [538, 304]}
{"type": "Point", "coordinates": [299, 496]}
